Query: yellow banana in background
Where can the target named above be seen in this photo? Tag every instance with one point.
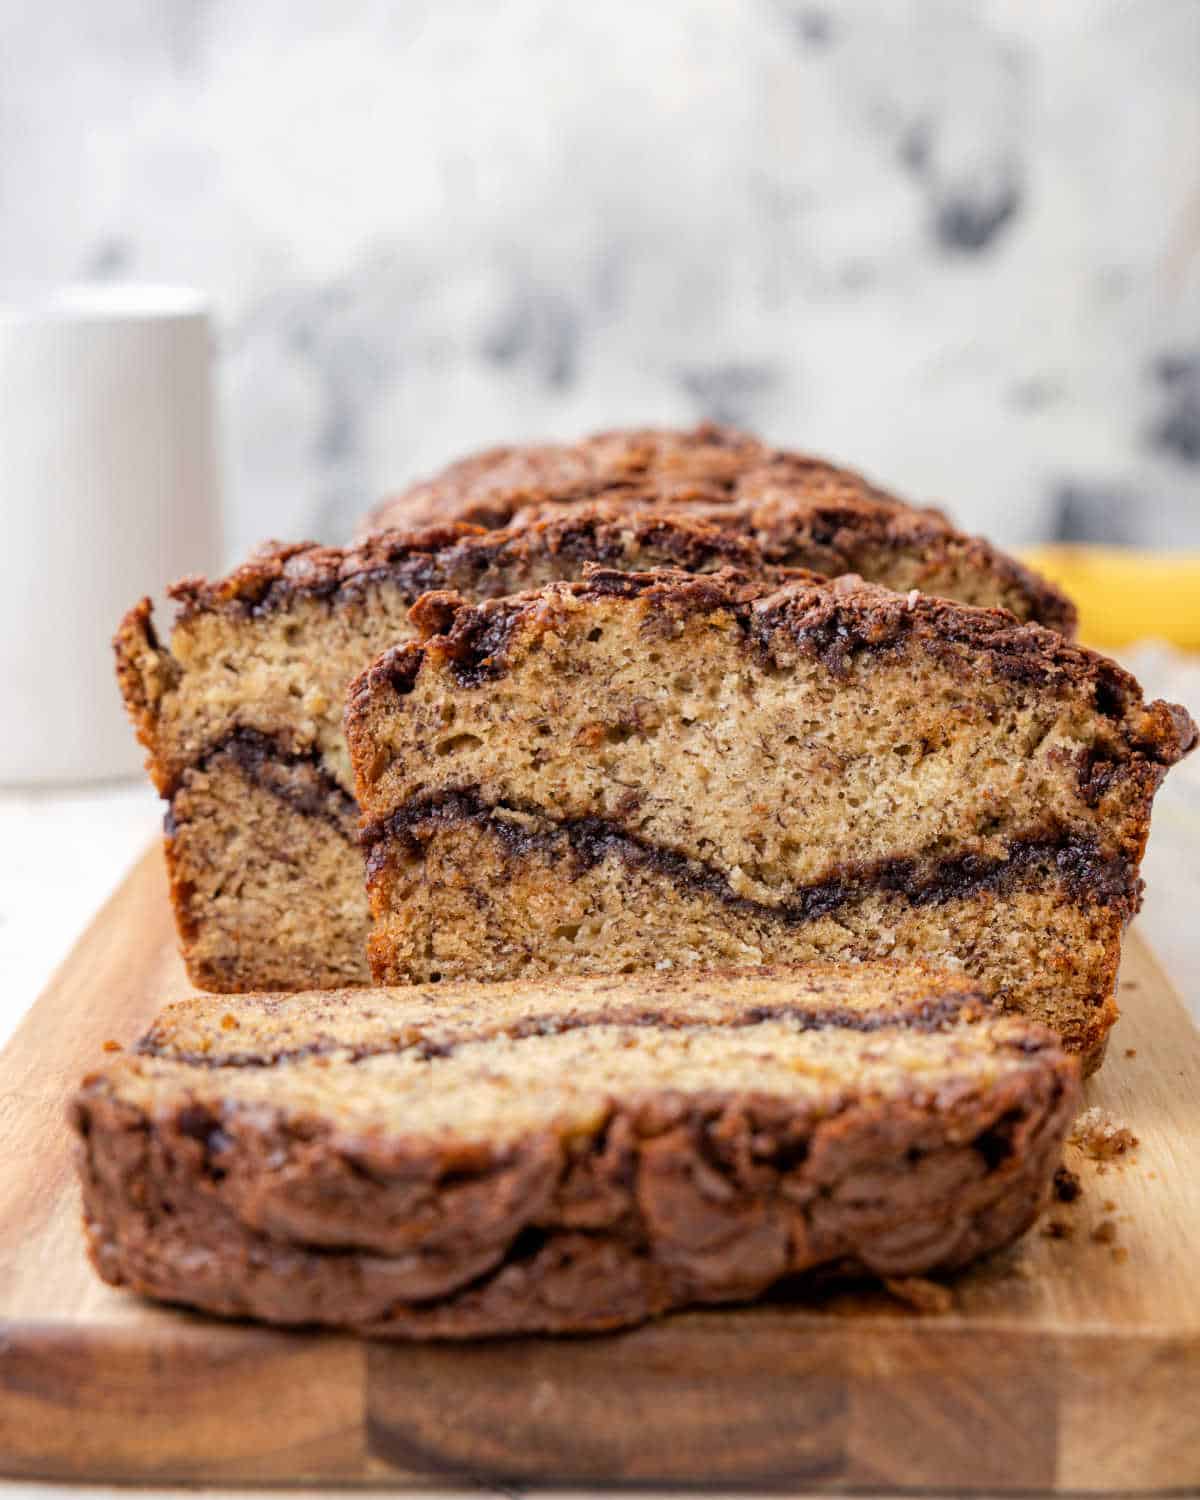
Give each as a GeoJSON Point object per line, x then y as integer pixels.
{"type": "Point", "coordinates": [1126, 595]}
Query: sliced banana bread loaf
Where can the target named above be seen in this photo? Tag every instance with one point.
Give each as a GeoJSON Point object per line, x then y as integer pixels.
{"type": "Point", "coordinates": [637, 770]}
{"type": "Point", "coordinates": [802, 511]}
{"type": "Point", "coordinates": [569, 1157]}
{"type": "Point", "coordinates": [242, 719]}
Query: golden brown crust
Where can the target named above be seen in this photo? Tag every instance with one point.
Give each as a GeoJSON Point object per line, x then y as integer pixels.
{"type": "Point", "coordinates": [145, 672]}
{"type": "Point", "coordinates": [800, 510]}
{"type": "Point", "coordinates": [707, 464]}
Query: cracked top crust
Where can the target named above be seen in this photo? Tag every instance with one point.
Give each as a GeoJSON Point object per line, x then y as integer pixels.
{"type": "Point", "coordinates": [278, 572]}
{"type": "Point", "coordinates": [800, 510]}
{"type": "Point", "coordinates": [706, 464]}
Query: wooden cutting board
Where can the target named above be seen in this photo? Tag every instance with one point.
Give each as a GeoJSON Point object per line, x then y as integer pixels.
{"type": "Point", "coordinates": [1066, 1363]}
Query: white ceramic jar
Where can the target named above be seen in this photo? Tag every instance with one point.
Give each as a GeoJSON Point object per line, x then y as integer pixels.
{"type": "Point", "coordinates": [108, 490]}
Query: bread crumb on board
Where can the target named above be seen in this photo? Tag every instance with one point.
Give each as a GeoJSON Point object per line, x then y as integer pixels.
{"type": "Point", "coordinates": [1100, 1135]}
{"type": "Point", "coordinates": [1067, 1186]}
{"type": "Point", "coordinates": [921, 1294]}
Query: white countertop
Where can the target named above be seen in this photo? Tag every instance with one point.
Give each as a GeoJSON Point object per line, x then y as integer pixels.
{"type": "Point", "coordinates": [66, 849]}
{"type": "Point", "coordinates": [64, 853]}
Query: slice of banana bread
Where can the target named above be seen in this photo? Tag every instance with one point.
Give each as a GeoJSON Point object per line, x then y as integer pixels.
{"type": "Point", "coordinates": [242, 719]}
{"type": "Point", "coordinates": [570, 1157]}
{"type": "Point", "coordinates": [637, 770]}
{"type": "Point", "coordinates": [802, 511]}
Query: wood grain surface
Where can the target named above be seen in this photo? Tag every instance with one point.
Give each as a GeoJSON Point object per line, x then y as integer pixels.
{"type": "Point", "coordinates": [1065, 1364]}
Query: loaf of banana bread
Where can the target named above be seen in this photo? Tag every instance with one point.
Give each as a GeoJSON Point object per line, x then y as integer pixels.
{"type": "Point", "coordinates": [802, 511]}
{"type": "Point", "coordinates": [241, 717]}
{"type": "Point", "coordinates": [566, 1157]}
{"type": "Point", "coordinates": [639, 770]}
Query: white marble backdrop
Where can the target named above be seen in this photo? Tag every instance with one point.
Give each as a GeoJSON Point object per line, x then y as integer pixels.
{"type": "Point", "coordinates": [957, 244]}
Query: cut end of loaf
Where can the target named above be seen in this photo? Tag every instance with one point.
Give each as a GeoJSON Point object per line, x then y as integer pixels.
{"type": "Point", "coordinates": [242, 718]}
{"type": "Point", "coordinates": [635, 768]}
